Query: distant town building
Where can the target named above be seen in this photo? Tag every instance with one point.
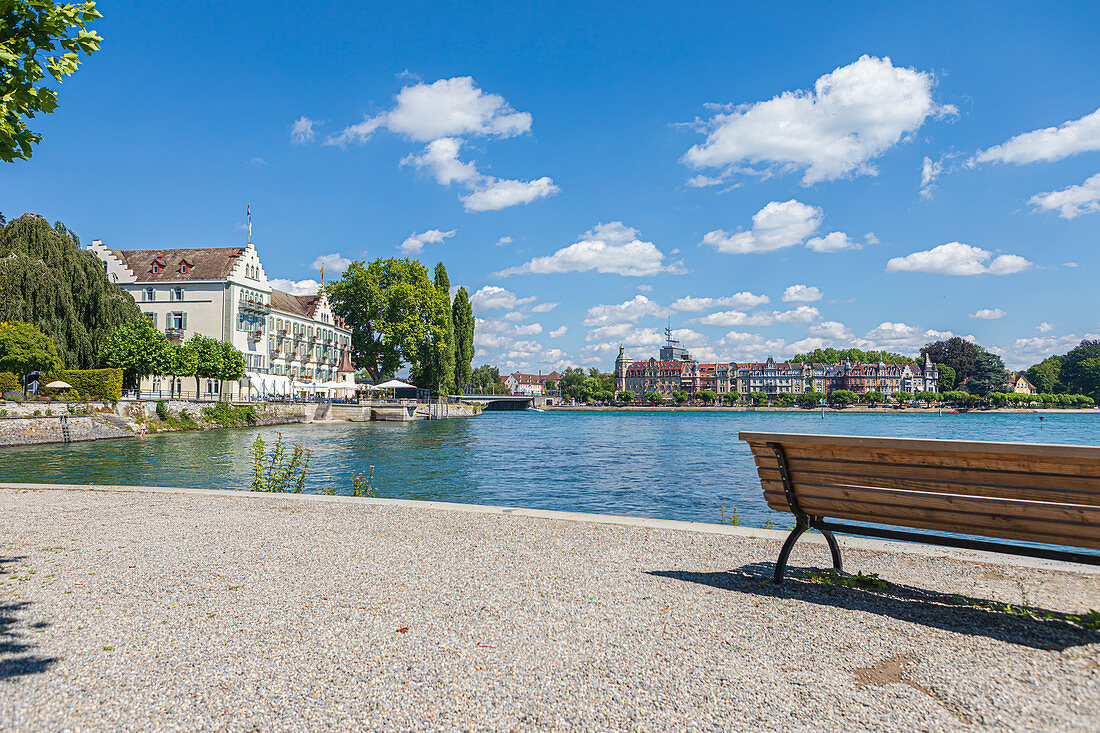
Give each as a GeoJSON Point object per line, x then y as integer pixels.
{"type": "Point", "coordinates": [223, 293]}
{"type": "Point", "coordinates": [530, 384]}
{"type": "Point", "coordinates": [1019, 384]}
{"type": "Point", "coordinates": [676, 371]}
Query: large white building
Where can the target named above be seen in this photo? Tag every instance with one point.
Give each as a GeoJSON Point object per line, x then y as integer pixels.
{"type": "Point", "coordinates": [223, 293]}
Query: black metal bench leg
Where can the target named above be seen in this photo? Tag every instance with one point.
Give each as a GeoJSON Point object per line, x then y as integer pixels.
{"type": "Point", "coordinates": [781, 563]}
{"type": "Point", "coordinates": [833, 548]}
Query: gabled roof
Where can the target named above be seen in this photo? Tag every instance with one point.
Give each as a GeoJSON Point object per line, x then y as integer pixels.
{"type": "Point", "coordinates": [203, 263]}
{"type": "Point", "coordinates": [296, 305]}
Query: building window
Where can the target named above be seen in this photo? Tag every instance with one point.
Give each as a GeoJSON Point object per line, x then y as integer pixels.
{"type": "Point", "coordinates": [156, 268]}
{"type": "Point", "coordinates": [177, 293]}
{"type": "Point", "coordinates": [148, 295]}
{"type": "Point", "coordinates": [176, 321]}
{"type": "Point", "coordinates": [152, 317]}
{"type": "Point", "coordinates": [184, 267]}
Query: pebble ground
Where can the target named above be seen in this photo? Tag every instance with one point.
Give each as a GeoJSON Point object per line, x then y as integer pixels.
{"type": "Point", "coordinates": [154, 611]}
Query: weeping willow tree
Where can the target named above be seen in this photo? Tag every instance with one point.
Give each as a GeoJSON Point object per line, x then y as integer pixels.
{"type": "Point", "coordinates": [47, 280]}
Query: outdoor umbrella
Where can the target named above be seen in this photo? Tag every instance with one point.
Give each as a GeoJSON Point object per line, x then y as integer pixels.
{"type": "Point", "coordinates": [58, 384]}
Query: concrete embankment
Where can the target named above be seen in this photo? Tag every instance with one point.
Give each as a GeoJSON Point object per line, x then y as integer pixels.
{"type": "Point", "coordinates": [165, 609]}
{"type": "Point", "coordinates": [33, 430]}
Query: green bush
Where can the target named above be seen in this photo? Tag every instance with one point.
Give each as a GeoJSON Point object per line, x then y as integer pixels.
{"type": "Point", "coordinates": [230, 416]}
{"type": "Point", "coordinates": [162, 411]}
{"type": "Point", "coordinates": [96, 384]}
{"type": "Point", "coordinates": [14, 396]}
{"type": "Point", "coordinates": [10, 382]}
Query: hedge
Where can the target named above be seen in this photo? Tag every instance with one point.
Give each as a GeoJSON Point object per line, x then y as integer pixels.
{"type": "Point", "coordinates": [93, 384]}
{"type": "Point", "coordinates": [10, 382]}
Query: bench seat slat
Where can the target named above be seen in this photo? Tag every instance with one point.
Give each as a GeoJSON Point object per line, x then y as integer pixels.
{"type": "Point", "coordinates": [880, 478]}
{"type": "Point", "coordinates": [1090, 454]}
{"type": "Point", "coordinates": [980, 506]}
{"type": "Point", "coordinates": [1058, 533]}
{"type": "Point", "coordinates": [988, 461]}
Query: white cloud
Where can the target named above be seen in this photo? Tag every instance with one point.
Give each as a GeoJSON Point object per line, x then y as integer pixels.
{"type": "Point", "coordinates": [493, 296]}
{"type": "Point", "coordinates": [637, 308]}
{"type": "Point", "coordinates": [830, 330]}
{"type": "Point", "coordinates": [487, 193]}
{"type": "Point", "coordinates": [752, 346]}
{"type": "Point", "coordinates": [415, 242]}
{"type": "Point", "coordinates": [530, 329]}
{"type": "Point", "coordinates": [1047, 144]}
{"type": "Point", "coordinates": [956, 258]}
{"type": "Point", "coordinates": [833, 242]}
{"type": "Point", "coordinates": [295, 287]}
{"type": "Point", "coordinates": [901, 338]}
{"type": "Point", "coordinates": [743, 299]}
{"type": "Point", "coordinates": [779, 224]}
{"type": "Point", "coordinates": [801, 294]}
{"type": "Point", "coordinates": [929, 172]}
{"type": "Point", "coordinates": [544, 307]}
{"type": "Point", "coordinates": [1073, 201]}
{"type": "Point", "coordinates": [504, 240]}
{"type": "Point", "coordinates": [335, 263]}
{"type": "Point", "coordinates": [607, 248]}
{"type": "Point", "coordinates": [870, 238]}
{"type": "Point", "coordinates": [988, 314]}
{"type": "Point", "coordinates": [445, 108]}
{"type": "Point", "coordinates": [301, 132]}
{"type": "Point", "coordinates": [645, 288]}
{"type": "Point", "coordinates": [1023, 352]}
{"type": "Point", "coordinates": [516, 316]}
{"type": "Point", "coordinates": [853, 115]}
{"type": "Point", "coordinates": [257, 161]}
{"type": "Point", "coordinates": [1069, 264]}
{"type": "Point", "coordinates": [801, 314]}
{"type": "Point", "coordinates": [441, 158]}
{"type": "Point", "coordinates": [494, 194]}
{"type": "Point", "coordinates": [558, 332]}
{"type": "Point", "coordinates": [1045, 327]}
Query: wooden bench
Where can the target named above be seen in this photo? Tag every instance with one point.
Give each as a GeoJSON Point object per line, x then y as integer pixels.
{"type": "Point", "coordinates": [1014, 491]}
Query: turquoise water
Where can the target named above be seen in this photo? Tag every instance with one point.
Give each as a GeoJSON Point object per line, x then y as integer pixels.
{"type": "Point", "coordinates": [664, 465]}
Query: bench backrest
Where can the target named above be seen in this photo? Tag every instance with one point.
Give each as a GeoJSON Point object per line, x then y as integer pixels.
{"type": "Point", "coordinates": [1021, 491]}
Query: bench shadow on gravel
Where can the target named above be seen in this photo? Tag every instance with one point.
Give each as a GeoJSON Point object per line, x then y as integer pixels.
{"type": "Point", "coordinates": [16, 659]}
{"type": "Point", "coordinates": [1028, 626]}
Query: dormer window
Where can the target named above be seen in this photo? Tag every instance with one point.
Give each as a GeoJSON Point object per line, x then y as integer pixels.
{"type": "Point", "coordinates": [156, 268]}
{"type": "Point", "coordinates": [184, 267]}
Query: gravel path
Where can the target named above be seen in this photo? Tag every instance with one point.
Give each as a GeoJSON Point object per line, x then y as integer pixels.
{"type": "Point", "coordinates": [167, 611]}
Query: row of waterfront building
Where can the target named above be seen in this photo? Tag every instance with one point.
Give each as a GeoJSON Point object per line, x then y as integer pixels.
{"type": "Point", "coordinates": [676, 371]}
{"type": "Point", "coordinates": [291, 343]}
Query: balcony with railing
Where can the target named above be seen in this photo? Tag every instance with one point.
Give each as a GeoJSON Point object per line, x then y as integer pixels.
{"type": "Point", "coordinates": [173, 333]}
{"type": "Point", "coordinates": [255, 305]}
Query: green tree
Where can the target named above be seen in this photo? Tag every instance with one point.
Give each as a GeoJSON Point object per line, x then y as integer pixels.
{"type": "Point", "coordinates": [37, 37]}
{"type": "Point", "coordinates": [1046, 376]}
{"type": "Point", "coordinates": [875, 397]}
{"type": "Point", "coordinates": [731, 398]}
{"type": "Point", "coordinates": [572, 384]}
{"type": "Point", "coordinates": [926, 397]}
{"type": "Point", "coordinates": [843, 397]}
{"type": "Point", "coordinates": [627, 395]}
{"type": "Point", "coordinates": [946, 382]}
{"type": "Point", "coordinates": [957, 353]}
{"type": "Point", "coordinates": [1079, 369]}
{"type": "Point", "coordinates": [485, 376]}
{"type": "Point", "coordinates": [232, 368]}
{"type": "Point", "coordinates": [833, 356]}
{"type": "Point", "coordinates": [138, 348]}
{"type": "Point", "coordinates": [436, 369]}
{"type": "Point", "coordinates": [707, 396]}
{"type": "Point", "coordinates": [180, 360]}
{"type": "Point", "coordinates": [988, 375]}
{"type": "Point", "coordinates": [654, 398]}
{"type": "Point", "coordinates": [209, 359]}
{"type": "Point", "coordinates": [393, 311]}
{"type": "Point", "coordinates": [759, 399]}
{"type": "Point", "coordinates": [25, 349]}
{"type": "Point", "coordinates": [462, 316]}
{"type": "Point", "coordinates": [809, 400]}
{"type": "Point", "coordinates": [47, 280]}
{"type": "Point", "coordinates": [681, 397]}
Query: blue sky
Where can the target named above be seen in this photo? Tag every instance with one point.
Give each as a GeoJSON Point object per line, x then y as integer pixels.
{"type": "Point", "coordinates": [771, 179]}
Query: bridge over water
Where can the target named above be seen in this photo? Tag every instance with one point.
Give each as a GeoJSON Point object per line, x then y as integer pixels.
{"type": "Point", "coordinates": [504, 401]}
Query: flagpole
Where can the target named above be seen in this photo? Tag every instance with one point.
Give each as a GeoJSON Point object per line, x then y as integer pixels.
{"type": "Point", "coordinates": [248, 210]}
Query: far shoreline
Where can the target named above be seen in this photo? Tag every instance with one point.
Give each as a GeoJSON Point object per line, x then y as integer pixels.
{"type": "Point", "coordinates": [818, 410]}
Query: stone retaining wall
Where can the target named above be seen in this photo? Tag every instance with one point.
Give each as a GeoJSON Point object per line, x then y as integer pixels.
{"type": "Point", "coordinates": [52, 429]}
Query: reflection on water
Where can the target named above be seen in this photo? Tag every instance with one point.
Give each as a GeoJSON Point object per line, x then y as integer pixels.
{"type": "Point", "coordinates": [673, 466]}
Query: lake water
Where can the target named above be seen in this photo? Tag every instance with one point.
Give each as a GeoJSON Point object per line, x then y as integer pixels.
{"type": "Point", "coordinates": [664, 465]}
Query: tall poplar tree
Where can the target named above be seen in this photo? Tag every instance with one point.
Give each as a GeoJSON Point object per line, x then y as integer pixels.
{"type": "Point", "coordinates": [462, 316]}
{"type": "Point", "coordinates": [47, 280]}
{"type": "Point", "coordinates": [443, 350]}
